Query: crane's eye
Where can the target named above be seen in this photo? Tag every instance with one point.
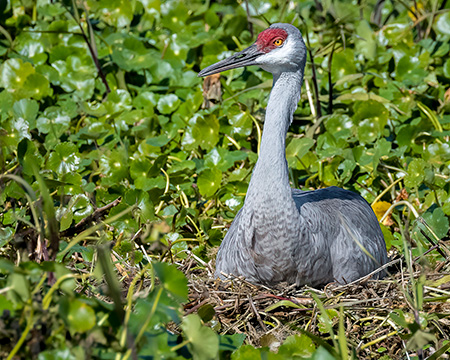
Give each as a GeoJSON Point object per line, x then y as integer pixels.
{"type": "Point", "coordinates": [278, 42]}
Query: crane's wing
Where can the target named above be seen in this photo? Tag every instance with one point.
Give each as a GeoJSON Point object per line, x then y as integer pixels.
{"type": "Point", "coordinates": [340, 224]}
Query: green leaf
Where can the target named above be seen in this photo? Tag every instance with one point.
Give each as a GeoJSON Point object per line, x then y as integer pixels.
{"type": "Point", "coordinates": [410, 71]}
{"type": "Point", "coordinates": [27, 110]}
{"type": "Point", "coordinates": [326, 320]}
{"type": "Point", "coordinates": [159, 141]}
{"type": "Point", "coordinates": [340, 125]}
{"type": "Point", "coordinates": [172, 280]}
{"type": "Point", "coordinates": [35, 86]}
{"type": "Point", "coordinates": [130, 53]}
{"type": "Point", "coordinates": [117, 13]}
{"type": "Point", "coordinates": [6, 235]}
{"type": "Point", "coordinates": [209, 181]}
{"type": "Point", "coordinates": [240, 121]}
{"type": "Point", "coordinates": [203, 342]}
{"type": "Point", "coordinates": [322, 354]}
{"type": "Point", "coordinates": [370, 118]}
{"type": "Point", "coordinates": [82, 207]}
{"type": "Point", "coordinates": [203, 131]}
{"type": "Point", "coordinates": [297, 346]}
{"type": "Point", "coordinates": [447, 68]}
{"type": "Point", "coordinates": [80, 317]}
{"type": "Point", "coordinates": [5, 304]}
{"type": "Point", "coordinates": [231, 342]}
{"type": "Point", "coordinates": [145, 207]}
{"type": "Point", "coordinates": [13, 74]}
{"type": "Point", "coordinates": [442, 24]}
{"type": "Point", "coordinates": [77, 74]}
{"type": "Point", "coordinates": [57, 354]}
{"type": "Point", "coordinates": [416, 173]}
{"type": "Point", "coordinates": [118, 101]}
{"type": "Point", "coordinates": [246, 352]}
{"type": "Point", "coordinates": [19, 288]}
{"type": "Point", "coordinates": [65, 159]}
{"type": "Point", "coordinates": [206, 312]}
{"type": "Point", "coordinates": [114, 166]}
{"type": "Point", "coordinates": [168, 104]}
{"type": "Point", "coordinates": [223, 159]}
{"type": "Point", "coordinates": [437, 221]}
{"type": "Point", "coordinates": [343, 65]}
{"type": "Point", "coordinates": [366, 44]}
{"type": "Point", "coordinates": [297, 148]}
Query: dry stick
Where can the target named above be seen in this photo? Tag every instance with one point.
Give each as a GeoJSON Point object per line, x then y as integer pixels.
{"type": "Point", "coordinates": [84, 222]}
{"type": "Point", "coordinates": [369, 275]}
{"type": "Point", "coordinates": [314, 75]}
{"type": "Point", "coordinates": [330, 83]}
{"type": "Point", "coordinates": [90, 47]}
{"type": "Point", "coordinates": [196, 307]}
{"type": "Point", "coordinates": [231, 277]}
{"type": "Point", "coordinates": [250, 25]}
{"type": "Point", "coordinates": [435, 246]}
{"type": "Point", "coordinates": [422, 220]}
{"type": "Point", "coordinates": [431, 21]}
{"type": "Point", "coordinates": [255, 311]}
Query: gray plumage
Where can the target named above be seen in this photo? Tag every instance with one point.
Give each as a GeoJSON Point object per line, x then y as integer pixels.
{"type": "Point", "coordinates": [284, 234]}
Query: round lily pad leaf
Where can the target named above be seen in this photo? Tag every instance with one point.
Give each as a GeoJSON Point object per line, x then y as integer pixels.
{"type": "Point", "coordinates": [114, 166]}
{"type": "Point", "coordinates": [168, 104]}
{"type": "Point", "coordinates": [297, 148]}
{"type": "Point", "coordinates": [173, 280]}
{"type": "Point", "coordinates": [209, 181]}
{"type": "Point", "coordinates": [371, 118]}
{"type": "Point", "coordinates": [118, 100]}
{"type": "Point", "coordinates": [117, 13]}
{"type": "Point", "coordinates": [130, 53]}
{"type": "Point", "coordinates": [438, 222]}
{"type": "Point", "coordinates": [203, 131]}
{"type": "Point", "coordinates": [416, 172]}
{"type": "Point", "coordinates": [340, 125]}
{"type": "Point", "coordinates": [27, 110]}
{"type": "Point", "coordinates": [81, 317]}
{"type": "Point", "coordinates": [442, 24]}
{"type": "Point", "coordinates": [21, 79]}
{"type": "Point", "coordinates": [82, 207]}
{"type": "Point", "coordinates": [343, 65]}
{"type": "Point", "coordinates": [13, 74]}
{"type": "Point", "coordinates": [202, 340]}
{"type": "Point", "coordinates": [64, 159]}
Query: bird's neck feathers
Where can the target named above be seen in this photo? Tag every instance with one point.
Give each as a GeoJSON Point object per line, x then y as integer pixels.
{"type": "Point", "coordinates": [271, 170]}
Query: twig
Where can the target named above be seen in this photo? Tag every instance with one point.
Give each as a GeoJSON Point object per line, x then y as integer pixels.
{"type": "Point", "coordinates": [92, 48]}
{"type": "Point", "coordinates": [330, 82]}
{"type": "Point", "coordinates": [94, 216]}
{"type": "Point", "coordinates": [196, 307]}
{"type": "Point", "coordinates": [258, 317]}
{"type": "Point", "coordinates": [369, 275]}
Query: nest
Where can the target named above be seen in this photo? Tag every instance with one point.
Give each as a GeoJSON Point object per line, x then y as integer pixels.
{"type": "Point", "coordinates": [379, 316]}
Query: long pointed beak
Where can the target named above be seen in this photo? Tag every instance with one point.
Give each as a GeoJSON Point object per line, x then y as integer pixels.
{"type": "Point", "coordinates": [243, 58]}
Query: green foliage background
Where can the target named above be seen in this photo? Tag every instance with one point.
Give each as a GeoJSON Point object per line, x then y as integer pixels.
{"type": "Point", "coordinates": [100, 105]}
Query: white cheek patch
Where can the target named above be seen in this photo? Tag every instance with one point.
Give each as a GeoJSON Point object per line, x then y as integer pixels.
{"type": "Point", "coordinates": [279, 55]}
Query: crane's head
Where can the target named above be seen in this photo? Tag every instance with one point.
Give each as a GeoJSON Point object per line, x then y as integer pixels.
{"type": "Point", "coordinates": [280, 48]}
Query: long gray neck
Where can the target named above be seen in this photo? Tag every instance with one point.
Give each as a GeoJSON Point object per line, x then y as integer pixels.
{"type": "Point", "coordinates": [271, 170]}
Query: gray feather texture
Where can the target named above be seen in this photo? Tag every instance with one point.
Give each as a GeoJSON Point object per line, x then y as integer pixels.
{"type": "Point", "coordinates": [283, 234]}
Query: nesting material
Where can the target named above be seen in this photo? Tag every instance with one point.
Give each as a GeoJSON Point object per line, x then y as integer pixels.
{"type": "Point", "coordinates": [371, 308]}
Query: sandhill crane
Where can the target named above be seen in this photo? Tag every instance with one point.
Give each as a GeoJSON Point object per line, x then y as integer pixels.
{"type": "Point", "coordinates": [284, 234]}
